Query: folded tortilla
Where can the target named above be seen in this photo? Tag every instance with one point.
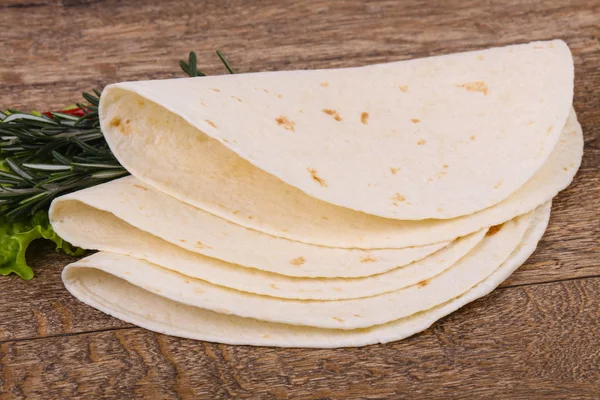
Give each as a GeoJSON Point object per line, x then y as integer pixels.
{"type": "Point", "coordinates": [439, 137]}
{"type": "Point", "coordinates": [480, 262]}
{"type": "Point", "coordinates": [124, 207]}
{"type": "Point", "coordinates": [115, 295]}
{"type": "Point", "coordinates": [103, 231]}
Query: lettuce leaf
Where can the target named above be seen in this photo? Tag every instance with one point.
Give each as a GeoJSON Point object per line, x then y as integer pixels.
{"type": "Point", "coordinates": [15, 237]}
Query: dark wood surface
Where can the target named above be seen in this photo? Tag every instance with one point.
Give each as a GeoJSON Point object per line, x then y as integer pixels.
{"type": "Point", "coordinates": [538, 336]}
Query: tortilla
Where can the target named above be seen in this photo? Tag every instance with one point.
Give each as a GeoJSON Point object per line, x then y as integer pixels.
{"type": "Point", "coordinates": [479, 263]}
{"type": "Point", "coordinates": [438, 137]}
{"type": "Point", "coordinates": [134, 208]}
{"type": "Point", "coordinates": [252, 198]}
{"type": "Point", "coordinates": [91, 228]}
{"type": "Point", "coordinates": [130, 303]}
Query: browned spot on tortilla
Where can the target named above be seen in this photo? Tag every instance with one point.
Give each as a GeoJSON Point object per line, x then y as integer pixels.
{"type": "Point", "coordinates": [441, 173]}
{"type": "Point", "coordinates": [286, 123]}
{"type": "Point", "coordinates": [325, 84]}
{"type": "Point", "coordinates": [338, 319]}
{"type": "Point", "coordinates": [337, 289]}
{"type": "Point", "coordinates": [316, 178]}
{"type": "Point", "coordinates": [215, 90]}
{"type": "Point", "coordinates": [497, 185]}
{"type": "Point", "coordinates": [141, 187]}
{"type": "Point", "coordinates": [394, 171]}
{"type": "Point", "coordinates": [124, 128]}
{"type": "Point", "coordinates": [116, 121]}
{"type": "Point", "coordinates": [367, 259]}
{"type": "Point", "coordinates": [202, 104]}
{"type": "Point", "coordinates": [415, 120]}
{"type": "Point", "coordinates": [235, 212]}
{"type": "Point", "coordinates": [222, 310]}
{"type": "Point", "coordinates": [551, 45]}
{"type": "Point", "coordinates": [198, 290]}
{"type": "Point", "coordinates": [237, 98]}
{"type": "Point", "coordinates": [493, 230]}
{"type": "Point", "coordinates": [565, 169]}
{"type": "Point", "coordinates": [265, 90]}
{"type": "Point", "coordinates": [573, 133]}
{"type": "Point", "coordinates": [398, 197]}
{"type": "Point", "coordinates": [187, 281]}
{"type": "Point", "coordinates": [141, 102]}
{"type": "Point", "coordinates": [250, 217]}
{"type": "Point", "coordinates": [404, 88]}
{"type": "Point", "coordinates": [549, 129]}
{"type": "Point", "coordinates": [439, 210]}
{"type": "Point", "coordinates": [225, 141]}
{"type": "Point", "coordinates": [279, 95]}
{"type": "Point", "coordinates": [476, 86]}
{"type": "Point", "coordinates": [158, 290]}
{"type": "Point", "coordinates": [572, 165]}
{"type": "Point", "coordinates": [266, 336]}
{"type": "Point", "coordinates": [423, 283]}
{"type": "Point", "coordinates": [357, 315]}
{"type": "Point", "coordinates": [333, 113]}
{"type": "Point", "coordinates": [473, 137]}
{"type": "Point", "coordinates": [364, 117]}
{"type": "Point", "coordinates": [325, 218]}
{"type": "Point", "coordinates": [298, 261]}
{"type": "Point", "coordinates": [444, 165]}
{"type": "Point", "coordinates": [480, 57]}
{"type": "Point", "coordinates": [200, 245]}
{"type": "Point", "coordinates": [421, 142]}
{"type": "Point", "coordinates": [273, 286]}
{"type": "Point", "coordinates": [183, 240]}
{"type": "Point", "coordinates": [538, 47]}
{"type": "Point", "coordinates": [211, 123]}
{"type": "Point", "coordinates": [430, 179]}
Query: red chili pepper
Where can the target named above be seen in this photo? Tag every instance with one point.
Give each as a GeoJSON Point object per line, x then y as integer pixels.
{"type": "Point", "coordinates": [78, 112]}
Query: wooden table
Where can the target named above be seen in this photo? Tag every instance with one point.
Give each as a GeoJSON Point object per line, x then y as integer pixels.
{"type": "Point", "coordinates": [538, 336]}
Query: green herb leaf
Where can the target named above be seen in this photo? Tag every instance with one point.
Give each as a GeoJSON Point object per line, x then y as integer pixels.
{"type": "Point", "coordinates": [16, 236]}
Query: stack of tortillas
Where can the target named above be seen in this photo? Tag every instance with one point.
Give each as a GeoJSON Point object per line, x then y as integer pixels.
{"type": "Point", "coordinates": [323, 208]}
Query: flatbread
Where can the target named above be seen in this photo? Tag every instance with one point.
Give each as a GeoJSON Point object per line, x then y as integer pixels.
{"type": "Point", "coordinates": [220, 182]}
{"type": "Point", "coordinates": [130, 303]}
{"type": "Point", "coordinates": [343, 314]}
{"type": "Point", "coordinates": [91, 228]}
{"type": "Point", "coordinates": [392, 140]}
{"type": "Point", "coordinates": [103, 217]}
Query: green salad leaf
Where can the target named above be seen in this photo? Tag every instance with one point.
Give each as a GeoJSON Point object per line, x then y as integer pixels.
{"type": "Point", "coordinates": [16, 236]}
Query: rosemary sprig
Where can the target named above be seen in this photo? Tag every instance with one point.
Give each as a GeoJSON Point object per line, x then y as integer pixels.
{"type": "Point", "coordinates": [191, 69]}
{"type": "Point", "coordinates": [44, 155]}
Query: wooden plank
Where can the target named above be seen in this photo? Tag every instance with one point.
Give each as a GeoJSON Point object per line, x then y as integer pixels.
{"type": "Point", "coordinates": [540, 339]}
{"type": "Point", "coordinates": [521, 342]}
{"type": "Point", "coordinates": [108, 41]}
{"type": "Point", "coordinates": [43, 307]}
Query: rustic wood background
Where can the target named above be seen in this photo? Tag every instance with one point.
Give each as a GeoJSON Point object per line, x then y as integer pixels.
{"type": "Point", "coordinates": [538, 336]}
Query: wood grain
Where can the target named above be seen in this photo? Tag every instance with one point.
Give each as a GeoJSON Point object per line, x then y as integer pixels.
{"type": "Point", "coordinates": [540, 340]}
{"type": "Point", "coordinates": [536, 338]}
